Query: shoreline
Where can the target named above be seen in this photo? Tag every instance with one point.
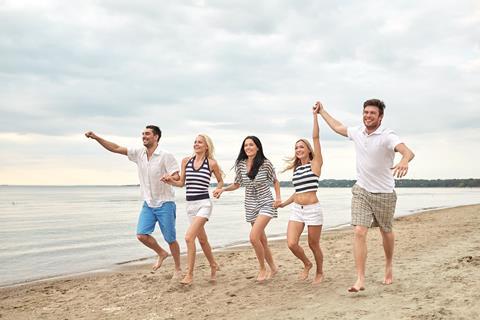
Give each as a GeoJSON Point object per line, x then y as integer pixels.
{"type": "Point", "coordinates": [233, 245]}
{"type": "Point", "coordinates": [436, 276]}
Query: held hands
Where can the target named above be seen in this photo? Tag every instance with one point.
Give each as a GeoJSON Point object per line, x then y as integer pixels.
{"type": "Point", "coordinates": [217, 192]}
{"type": "Point", "coordinates": [167, 179]}
{"type": "Point", "coordinates": [317, 107]}
{"type": "Point", "coordinates": [401, 169]}
{"type": "Point", "coordinates": [278, 204]}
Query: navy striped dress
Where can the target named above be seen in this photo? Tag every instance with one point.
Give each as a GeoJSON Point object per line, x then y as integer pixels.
{"type": "Point", "coordinates": [258, 196]}
{"type": "Point", "coordinates": [197, 181]}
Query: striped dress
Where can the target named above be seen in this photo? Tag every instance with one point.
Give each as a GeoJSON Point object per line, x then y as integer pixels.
{"type": "Point", "coordinates": [304, 180]}
{"type": "Point", "coordinates": [258, 196]}
{"type": "Point", "coordinates": [197, 181]}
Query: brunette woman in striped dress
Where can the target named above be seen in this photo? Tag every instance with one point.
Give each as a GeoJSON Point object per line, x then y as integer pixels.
{"type": "Point", "coordinates": [196, 174]}
{"type": "Point", "coordinates": [306, 211]}
{"type": "Point", "coordinates": [256, 173]}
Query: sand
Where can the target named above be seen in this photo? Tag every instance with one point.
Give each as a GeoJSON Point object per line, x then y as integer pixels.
{"type": "Point", "coordinates": [436, 276]}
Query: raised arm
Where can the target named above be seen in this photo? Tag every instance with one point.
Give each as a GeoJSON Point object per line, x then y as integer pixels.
{"type": "Point", "coordinates": [317, 160]}
{"type": "Point", "coordinates": [336, 125]}
{"type": "Point", "coordinates": [401, 168]}
{"type": "Point", "coordinates": [110, 146]}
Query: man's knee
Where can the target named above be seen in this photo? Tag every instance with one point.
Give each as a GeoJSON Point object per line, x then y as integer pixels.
{"type": "Point", "coordinates": [143, 237]}
{"type": "Point", "coordinates": [360, 232]}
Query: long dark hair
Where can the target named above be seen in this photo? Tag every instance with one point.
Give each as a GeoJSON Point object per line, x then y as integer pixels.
{"type": "Point", "coordinates": [257, 161]}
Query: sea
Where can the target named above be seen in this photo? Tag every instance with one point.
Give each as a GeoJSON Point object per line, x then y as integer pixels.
{"type": "Point", "coordinates": [51, 231]}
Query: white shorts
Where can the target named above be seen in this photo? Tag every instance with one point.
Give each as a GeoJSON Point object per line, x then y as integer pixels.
{"type": "Point", "coordinates": [199, 208]}
{"type": "Point", "coordinates": [310, 214]}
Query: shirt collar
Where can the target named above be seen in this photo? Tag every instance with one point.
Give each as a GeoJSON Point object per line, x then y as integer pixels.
{"type": "Point", "coordinates": [156, 152]}
{"type": "Point", "coordinates": [378, 131]}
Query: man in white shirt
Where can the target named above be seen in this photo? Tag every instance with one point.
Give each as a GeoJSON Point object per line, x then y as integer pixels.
{"type": "Point", "coordinates": [159, 206]}
{"type": "Point", "coordinates": [374, 198]}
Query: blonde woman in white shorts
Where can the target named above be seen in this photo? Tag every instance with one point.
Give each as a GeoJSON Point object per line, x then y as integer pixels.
{"type": "Point", "coordinates": [306, 211]}
{"type": "Point", "coordinates": [196, 174]}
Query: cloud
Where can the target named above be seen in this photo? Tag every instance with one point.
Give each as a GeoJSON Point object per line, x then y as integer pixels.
{"type": "Point", "coordinates": [232, 69]}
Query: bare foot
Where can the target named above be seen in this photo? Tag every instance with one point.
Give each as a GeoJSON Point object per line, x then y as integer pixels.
{"type": "Point", "coordinates": [213, 273]}
{"type": "Point", "coordinates": [358, 286]}
{"type": "Point", "coordinates": [160, 259]}
{"type": "Point", "coordinates": [272, 273]}
{"type": "Point", "coordinates": [306, 269]}
{"type": "Point", "coordinates": [262, 275]}
{"type": "Point", "coordinates": [177, 274]}
{"type": "Point", "coordinates": [187, 280]}
{"type": "Point", "coordinates": [318, 279]}
{"type": "Point", "coordinates": [388, 275]}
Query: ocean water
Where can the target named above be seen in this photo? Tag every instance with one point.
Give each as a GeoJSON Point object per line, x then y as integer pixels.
{"type": "Point", "coordinates": [51, 231]}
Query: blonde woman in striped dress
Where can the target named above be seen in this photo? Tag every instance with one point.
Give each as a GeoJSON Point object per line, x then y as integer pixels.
{"type": "Point", "coordinates": [196, 174]}
{"type": "Point", "coordinates": [306, 211]}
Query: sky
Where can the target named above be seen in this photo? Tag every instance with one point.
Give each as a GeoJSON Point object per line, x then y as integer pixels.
{"type": "Point", "coordinates": [231, 69]}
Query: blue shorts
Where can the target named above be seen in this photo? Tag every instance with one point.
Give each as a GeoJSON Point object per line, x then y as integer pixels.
{"type": "Point", "coordinates": [165, 215]}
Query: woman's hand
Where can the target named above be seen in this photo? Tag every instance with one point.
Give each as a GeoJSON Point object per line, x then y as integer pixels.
{"type": "Point", "coordinates": [217, 193]}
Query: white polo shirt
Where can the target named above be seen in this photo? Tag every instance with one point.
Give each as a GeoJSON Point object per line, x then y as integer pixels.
{"type": "Point", "coordinates": [375, 154]}
{"type": "Point", "coordinates": [153, 190]}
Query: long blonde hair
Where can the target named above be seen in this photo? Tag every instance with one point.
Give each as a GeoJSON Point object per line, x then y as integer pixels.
{"type": "Point", "coordinates": [210, 154]}
{"type": "Point", "coordinates": [294, 162]}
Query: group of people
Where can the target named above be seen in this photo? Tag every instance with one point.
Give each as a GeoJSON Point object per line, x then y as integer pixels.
{"type": "Point", "coordinates": [373, 200]}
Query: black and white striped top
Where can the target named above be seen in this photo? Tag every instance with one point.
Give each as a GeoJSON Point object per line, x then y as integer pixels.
{"type": "Point", "coordinates": [258, 196]}
{"type": "Point", "coordinates": [304, 180]}
{"type": "Point", "coordinates": [197, 181]}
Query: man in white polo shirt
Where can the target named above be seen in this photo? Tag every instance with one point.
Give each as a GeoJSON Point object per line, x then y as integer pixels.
{"type": "Point", "coordinates": [374, 198]}
{"type": "Point", "coordinates": [158, 206]}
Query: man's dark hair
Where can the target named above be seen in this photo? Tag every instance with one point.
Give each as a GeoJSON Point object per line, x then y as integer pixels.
{"type": "Point", "coordinates": [375, 103]}
{"type": "Point", "coordinates": [156, 131]}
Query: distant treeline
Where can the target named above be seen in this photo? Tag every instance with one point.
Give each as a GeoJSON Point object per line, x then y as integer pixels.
{"type": "Point", "coordinates": [403, 183]}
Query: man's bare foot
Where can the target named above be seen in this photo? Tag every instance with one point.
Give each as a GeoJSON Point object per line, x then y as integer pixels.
{"type": "Point", "coordinates": [160, 259]}
{"type": "Point", "coordinates": [213, 272]}
{"type": "Point", "coordinates": [318, 279]}
{"type": "Point", "coordinates": [388, 275]}
{"type": "Point", "coordinates": [358, 286]}
{"type": "Point", "coordinates": [262, 275]}
{"type": "Point", "coordinates": [306, 269]}
{"type": "Point", "coordinates": [272, 273]}
{"type": "Point", "coordinates": [187, 280]}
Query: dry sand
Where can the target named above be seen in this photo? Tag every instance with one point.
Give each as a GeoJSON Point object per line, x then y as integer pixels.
{"type": "Point", "coordinates": [436, 276]}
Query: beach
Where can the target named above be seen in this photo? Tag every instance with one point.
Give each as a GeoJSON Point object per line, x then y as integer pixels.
{"type": "Point", "coordinates": [436, 276]}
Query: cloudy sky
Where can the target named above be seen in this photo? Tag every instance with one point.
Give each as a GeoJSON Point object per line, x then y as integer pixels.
{"type": "Point", "coordinates": [231, 69]}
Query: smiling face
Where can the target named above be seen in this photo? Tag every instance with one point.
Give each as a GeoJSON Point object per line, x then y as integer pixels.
{"type": "Point", "coordinates": [372, 118]}
{"type": "Point", "coordinates": [200, 145]}
{"type": "Point", "coordinates": [302, 152]}
{"type": "Point", "coordinates": [250, 148]}
{"type": "Point", "coordinates": [149, 138]}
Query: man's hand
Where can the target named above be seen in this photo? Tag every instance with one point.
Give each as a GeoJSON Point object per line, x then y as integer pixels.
{"type": "Point", "coordinates": [401, 169]}
{"type": "Point", "coordinates": [91, 135]}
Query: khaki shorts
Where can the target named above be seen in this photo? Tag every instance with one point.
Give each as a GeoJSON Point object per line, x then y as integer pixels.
{"type": "Point", "coordinates": [373, 209]}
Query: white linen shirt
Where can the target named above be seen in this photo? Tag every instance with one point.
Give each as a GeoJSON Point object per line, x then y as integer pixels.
{"type": "Point", "coordinates": [375, 154]}
{"type": "Point", "coordinates": [153, 190]}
